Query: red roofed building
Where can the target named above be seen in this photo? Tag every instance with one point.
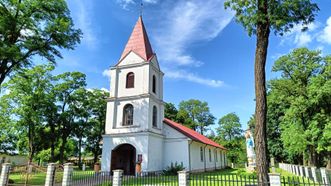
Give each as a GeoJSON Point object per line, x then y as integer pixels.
{"type": "Point", "coordinates": [137, 134]}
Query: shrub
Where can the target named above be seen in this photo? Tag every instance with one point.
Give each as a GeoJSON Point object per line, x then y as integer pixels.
{"type": "Point", "coordinates": [173, 169]}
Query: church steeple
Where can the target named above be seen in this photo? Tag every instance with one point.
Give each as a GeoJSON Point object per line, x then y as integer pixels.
{"type": "Point", "coordinates": [138, 42]}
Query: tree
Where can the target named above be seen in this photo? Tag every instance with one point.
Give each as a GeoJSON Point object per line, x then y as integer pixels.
{"type": "Point", "coordinates": [229, 127]}
{"type": "Point", "coordinates": [97, 100]}
{"type": "Point", "coordinates": [28, 99]}
{"type": "Point", "coordinates": [259, 18]}
{"type": "Point", "coordinates": [195, 114]}
{"type": "Point", "coordinates": [66, 86]}
{"type": "Point", "coordinates": [303, 110]}
{"type": "Point", "coordinates": [230, 135]}
{"type": "Point", "coordinates": [34, 27]}
{"type": "Point", "coordinates": [170, 111]}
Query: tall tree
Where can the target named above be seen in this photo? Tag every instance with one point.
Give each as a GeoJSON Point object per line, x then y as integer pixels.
{"type": "Point", "coordinates": [33, 27]}
{"type": "Point", "coordinates": [195, 114]}
{"type": "Point", "coordinates": [97, 101]}
{"type": "Point", "coordinates": [229, 127]}
{"type": "Point", "coordinates": [28, 98]}
{"type": "Point", "coordinates": [67, 84]}
{"type": "Point", "coordinates": [231, 136]}
{"type": "Point", "coordinates": [259, 17]}
{"type": "Point", "coordinates": [308, 101]}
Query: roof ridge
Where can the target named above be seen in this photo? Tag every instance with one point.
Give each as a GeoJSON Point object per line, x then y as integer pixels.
{"type": "Point", "coordinates": [194, 135]}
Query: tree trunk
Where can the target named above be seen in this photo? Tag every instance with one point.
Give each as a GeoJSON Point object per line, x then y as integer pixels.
{"type": "Point", "coordinates": [328, 166]}
{"type": "Point", "coordinates": [62, 148]}
{"type": "Point", "coordinates": [80, 152]}
{"type": "Point", "coordinates": [263, 31]}
{"type": "Point", "coordinates": [52, 141]}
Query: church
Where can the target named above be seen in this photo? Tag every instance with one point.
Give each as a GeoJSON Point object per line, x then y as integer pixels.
{"type": "Point", "coordinates": [136, 130]}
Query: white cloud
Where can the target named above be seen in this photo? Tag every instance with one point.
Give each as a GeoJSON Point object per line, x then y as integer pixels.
{"type": "Point", "coordinates": [106, 73]}
{"type": "Point", "coordinates": [83, 15]}
{"type": "Point", "coordinates": [298, 37]}
{"type": "Point", "coordinates": [325, 36]}
{"type": "Point", "coordinates": [181, 74]}
{"type": "Point", "coordinates": [187, 23]}
{"type": "Point", "coordinates": [126, 3]}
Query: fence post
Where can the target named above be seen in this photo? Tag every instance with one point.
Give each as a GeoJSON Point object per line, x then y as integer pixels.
{"type": "Point", "coordinates": [4, 174]}
{"type": "Point", "coordinates": [301, 171]}
{"type": "Point", "coordinates": [183, 178]}
{"type": "Point", "coordinates": [307, 175]}
{"type": "Point", "coordinates": [67, 174]}
{"type": "Point", "coordinates": [117, 177]}
{"type": "Point", "coordinates": [313, 173]}
{"type": "Point", "coordinates": [50, 174]}
{"type": "Point", "coordinates": [324, 176]}
{"type": "Point", "coordinates": [274, 179]}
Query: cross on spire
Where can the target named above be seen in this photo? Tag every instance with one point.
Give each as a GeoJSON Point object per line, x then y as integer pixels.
{"type": "Point", "coordinates": [141, 8]}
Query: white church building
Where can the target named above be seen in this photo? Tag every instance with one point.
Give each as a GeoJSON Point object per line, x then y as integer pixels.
{"type": "Point", "coordinates": [136, 130]}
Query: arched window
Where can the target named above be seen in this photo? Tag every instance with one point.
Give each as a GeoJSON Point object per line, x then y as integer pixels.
{"type": "Point", "coordinates": [201, 154]}
{"type": "Point", "coordinates": [130, 80]}
{"type": "Point", "coordinates": [127, 115]}
{"type": "Point", "coordinates": [154, 121]}
{"type": "Point", "coordinates": [154, 84]}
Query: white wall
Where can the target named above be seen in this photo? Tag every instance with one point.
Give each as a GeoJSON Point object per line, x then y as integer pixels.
{"type": "Point", "coordinates": [140, 141]}
{"type": "Point", "coordinates": [175, 147]}
{"type": "Point", "coordinates": [197, 164]}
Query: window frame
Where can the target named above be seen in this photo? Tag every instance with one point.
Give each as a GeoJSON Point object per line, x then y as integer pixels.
{"type": "Point", "coordinates": [129, 80]}
{"type": "Point", "coordinates": [154, 117]}
{"type": "Point", "coordinates": [154, 84]}
{"type": "Point", "coordinates": [127, 119]}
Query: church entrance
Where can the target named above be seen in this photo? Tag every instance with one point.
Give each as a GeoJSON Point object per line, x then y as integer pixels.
{"type": "Point", "coordinates": [124, 157]}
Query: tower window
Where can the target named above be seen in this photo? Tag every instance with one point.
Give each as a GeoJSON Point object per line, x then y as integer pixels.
{"type": "Point", "coordinates": [154, 116]}
{"type": "Point", "coordinates": [130, 80]}
{"type": "Point", "coordinates": [201, 154]}
{"type": "Point", "coordinates": [154, 84]}
{"type": "Point", "coordinates": [127, 115]}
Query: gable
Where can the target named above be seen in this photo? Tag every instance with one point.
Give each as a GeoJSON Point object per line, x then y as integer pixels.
{"type": "Point", "coordinates": [171, 133]}
{"type": "Point", "coordinates": [130, 58]}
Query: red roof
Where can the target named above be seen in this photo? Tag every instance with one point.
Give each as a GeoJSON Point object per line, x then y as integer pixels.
{"type": "Point", "coordinates": [191, 133]}
{"type": "Point", "coordinates": [138, 42]}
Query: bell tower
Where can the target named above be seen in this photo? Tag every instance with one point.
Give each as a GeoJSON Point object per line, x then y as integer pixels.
{"type": "Point", "coordinates": [135, 107]}
{"type": "Point", "coordinates": [136, 91]}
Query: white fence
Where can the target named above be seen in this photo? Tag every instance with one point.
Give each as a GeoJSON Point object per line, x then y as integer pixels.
{"type": "Point", "coordinates": [317, 175]}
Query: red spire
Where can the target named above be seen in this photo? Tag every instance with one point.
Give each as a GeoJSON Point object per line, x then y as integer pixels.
{"type": "Point", "coordinates": [138, 42]}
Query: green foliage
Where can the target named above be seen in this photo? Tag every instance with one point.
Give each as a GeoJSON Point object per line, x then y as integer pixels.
{"type": "Point", "coordinates": [173, 169]}
{"type": "Point", "coordinates": [33, 27]}
{"type": "Point", "coordinates": [279, 16]}
{"type": "Point", "coordinates": [57, 106]}
{"type": "Point", "coordinates": [300, 102]}
{"type": "Point", "coordinates": [195, 114]}
{"type": "Point", "coordinates": [231, 137]}
{"type": "Point", "coordinates": [170, 111]}
{"type": "Point", "coordinates": [229, 127]}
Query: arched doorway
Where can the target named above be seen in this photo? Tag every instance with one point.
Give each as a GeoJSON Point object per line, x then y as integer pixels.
{"type": "Point", "coordinates": [124, 157]}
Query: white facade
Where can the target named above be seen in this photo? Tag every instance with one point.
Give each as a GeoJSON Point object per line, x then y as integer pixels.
{"type": "Point", "coordinates": [131, 137]}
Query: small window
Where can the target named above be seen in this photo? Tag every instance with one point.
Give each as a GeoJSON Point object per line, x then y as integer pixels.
{"type": "Point", "coordinates": [221, 156]}
{"type": "Point", "coordinates": [201, 154]}
{"type": "Point", "coordinates": [209, 155]}
{"type": "Point", "coordinates": [127, 115]}
{"type": "Point", "coordinates": [154, 84]}
{"type": "Point", "coordinates": [130, 80]}
{"type": "Point", "coordinates": [154, 121]}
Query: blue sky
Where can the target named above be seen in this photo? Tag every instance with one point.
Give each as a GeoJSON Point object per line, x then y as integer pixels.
{"type": "Point", "coordinates": [203, 52]}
